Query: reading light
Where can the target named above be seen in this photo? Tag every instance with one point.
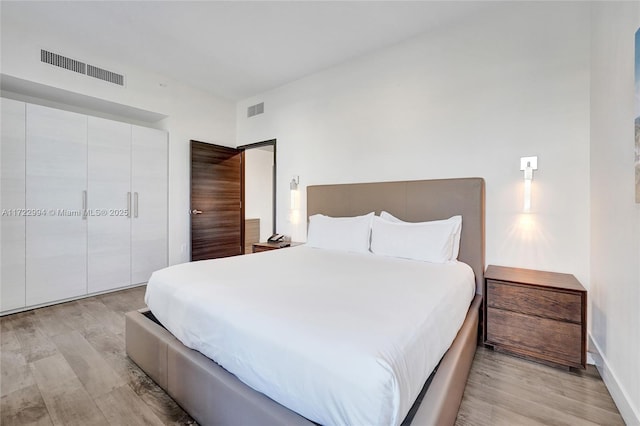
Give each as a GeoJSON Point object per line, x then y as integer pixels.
{"type": "Point", "coordinates": [528, 165]}
{"type": "Point", "coordinates": [295, 194]}
{"type": "Point", "coordinates": [294, 208]}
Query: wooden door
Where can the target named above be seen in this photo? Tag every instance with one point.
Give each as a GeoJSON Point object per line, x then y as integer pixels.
{"type": "Point", "coordinates": [149, 204]}
{"type": "Point", "coordinates": [56, 183]}
{"type": "Point", "coordinates": [217, 215]}
{"type": "Point", "coordinates": [109, 199]}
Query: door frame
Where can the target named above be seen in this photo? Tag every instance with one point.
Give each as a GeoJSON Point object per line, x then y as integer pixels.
{"type": "Point", "coordinates": [269, 142]}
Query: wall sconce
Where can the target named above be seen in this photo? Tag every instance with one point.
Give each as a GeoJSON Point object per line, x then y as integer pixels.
{"type": "Point", "coordinates": [528, 165]}
{"type": "Point", "coordinates": [295, 193]}
{"type": "Point", "coordinates": [294, 207]}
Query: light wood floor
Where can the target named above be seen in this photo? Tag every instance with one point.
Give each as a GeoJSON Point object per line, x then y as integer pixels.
{"type": "Point", "coordinates": [505, 390]}
{"type": "Point", "coordinates": [66, 365]}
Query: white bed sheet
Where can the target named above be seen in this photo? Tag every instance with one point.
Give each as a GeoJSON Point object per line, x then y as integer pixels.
{"type": "Point", "coordinates": [340, 338]}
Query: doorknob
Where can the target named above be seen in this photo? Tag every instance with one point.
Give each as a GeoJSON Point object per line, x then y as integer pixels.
{"type": "Point", "coordinates": [194, 211]}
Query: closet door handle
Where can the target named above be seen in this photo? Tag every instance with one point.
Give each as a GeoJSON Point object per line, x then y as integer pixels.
{"type": "Point", "coordinates": [129, 204]}
{"type": "Point", "coordinates": [84, 205]}
{"type": "Point", "coordinates": [135, 204]}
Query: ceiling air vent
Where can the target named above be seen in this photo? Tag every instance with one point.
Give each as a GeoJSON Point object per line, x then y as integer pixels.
{"type": "Point", "coordinates": [105, 75]}
{"type": "Point", "coordinates": [81, 67]}
{"type": "Point", "coordinates": [62, 61]}
{"type": "Point", "coordinates": [255, 109]}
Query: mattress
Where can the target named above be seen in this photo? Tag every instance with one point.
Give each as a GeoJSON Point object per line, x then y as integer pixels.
{"type": "Point", "coordinates": [340, 338]}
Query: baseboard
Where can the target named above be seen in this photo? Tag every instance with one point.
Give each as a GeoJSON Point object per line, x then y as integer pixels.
{"type": "Point", "coordinates": [70, 299]}
{"type": "Point", "coordinates": [629, 414]}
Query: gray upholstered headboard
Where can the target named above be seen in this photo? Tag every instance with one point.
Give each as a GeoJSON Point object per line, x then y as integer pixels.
{"type": "Point", "coordinates": [414, 201]}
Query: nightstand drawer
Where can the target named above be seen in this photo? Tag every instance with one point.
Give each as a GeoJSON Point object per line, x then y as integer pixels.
{"type": "Point", "coordinates": [530, 300]}
{"type": "Point", "coordinates": [561, 342]}
{"type": "Point", "coordinates": [259, 247]}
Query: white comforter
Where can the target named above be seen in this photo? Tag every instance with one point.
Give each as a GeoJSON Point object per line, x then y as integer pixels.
{"type": "Point", "coordinates": [340, 338]}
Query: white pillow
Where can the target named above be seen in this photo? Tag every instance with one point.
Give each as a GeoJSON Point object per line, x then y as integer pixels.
{"type": "Point", "coordinates": [340, 233]}
{"type": "Point", "coordinates": [432, 235]}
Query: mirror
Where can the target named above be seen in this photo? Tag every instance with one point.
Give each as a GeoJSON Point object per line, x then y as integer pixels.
{"type": "Point", "coordinates": [259, 191]}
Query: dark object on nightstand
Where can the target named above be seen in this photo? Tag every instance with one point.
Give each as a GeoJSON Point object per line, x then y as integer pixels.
{"type": "Point", "coordinates": [536, 315]}
{"type": "Point", "coordinates": [258, 247]}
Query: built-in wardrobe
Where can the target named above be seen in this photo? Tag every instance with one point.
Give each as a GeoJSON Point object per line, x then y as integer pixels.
{"type": "Point", "coordinates": [84, 204]}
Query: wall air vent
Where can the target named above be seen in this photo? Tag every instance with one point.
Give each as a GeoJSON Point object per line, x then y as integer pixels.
{"type": "Point", "coordinates": [255, 109]}
{"type": "Point", "coordinates": [105, 75]}
{"type": "Point", "coordinates": [81, 67]}
{"type": "Point", "coordinates": [62, 61]}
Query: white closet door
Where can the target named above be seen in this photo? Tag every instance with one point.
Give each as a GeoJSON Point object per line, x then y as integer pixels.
{"type": "Point", "coordinates": [149, 184]}
{"type": "Point", "coordinates": [56, 179]}
{"type": "Point", "coordinates": [12, 222]}
{"type": "Point", "coordinates": [109, 194]}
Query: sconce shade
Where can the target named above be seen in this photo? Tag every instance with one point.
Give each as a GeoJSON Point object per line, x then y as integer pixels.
{"type": "Point", "coordinates": [528, 165]}
{"type": "Point", "coordinates": [295, 194]}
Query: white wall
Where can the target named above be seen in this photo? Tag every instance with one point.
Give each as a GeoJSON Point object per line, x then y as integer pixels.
{"type": "Point", "coordinates": [258, 188]}
{"type": "Point", "coordinates": [192, 114]}
{"type": "Point", "coordinates": [615, 217]}
{"type": "Point", "coordinates": [465, 100]}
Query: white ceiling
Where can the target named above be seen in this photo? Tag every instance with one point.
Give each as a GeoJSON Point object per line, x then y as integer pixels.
{"type": "Point", "coordinates": [233, 49]}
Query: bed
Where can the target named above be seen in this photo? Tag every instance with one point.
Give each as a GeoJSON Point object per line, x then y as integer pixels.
{"type": "Point", "coordinates": [212, 395]}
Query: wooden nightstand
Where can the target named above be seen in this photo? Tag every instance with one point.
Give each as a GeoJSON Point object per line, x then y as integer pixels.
{"type": "Point", "coordinates": [536, 315]}
{"type": "Point", "coordinates": [258, 247]}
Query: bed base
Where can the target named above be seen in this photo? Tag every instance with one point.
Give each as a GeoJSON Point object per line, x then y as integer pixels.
{"type": "Point", "coordinates": [213, 396]}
